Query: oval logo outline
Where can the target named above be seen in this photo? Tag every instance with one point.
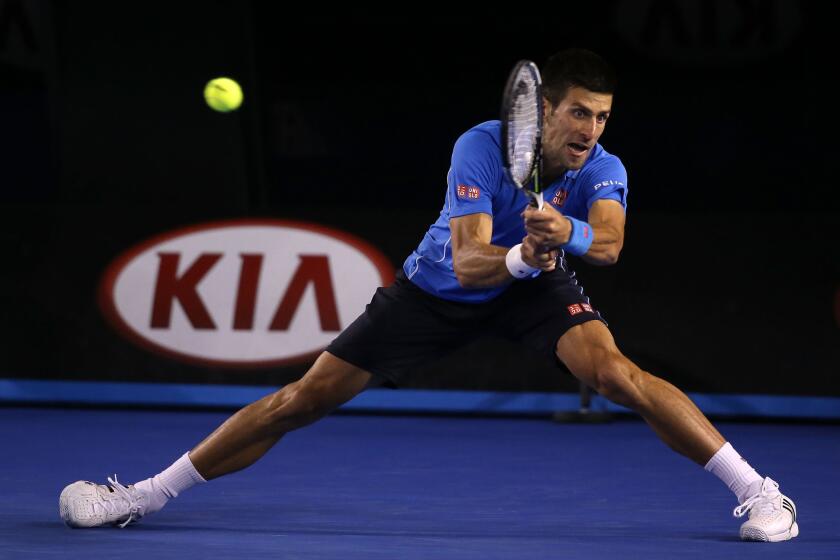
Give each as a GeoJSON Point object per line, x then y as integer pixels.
{"type": "Point", "coordinates": [108, 301]}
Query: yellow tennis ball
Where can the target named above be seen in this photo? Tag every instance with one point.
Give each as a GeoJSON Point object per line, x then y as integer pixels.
{"type": "Point", "coordinates": [223, 95]}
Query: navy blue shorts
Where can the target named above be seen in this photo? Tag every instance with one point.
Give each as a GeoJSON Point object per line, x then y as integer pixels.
{"type": "Point", "coordinates": [403, 326]}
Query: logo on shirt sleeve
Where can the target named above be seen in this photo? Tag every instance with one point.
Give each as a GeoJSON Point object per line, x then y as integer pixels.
{"type": "Point", "coordinates": [607, 184]}
{"type": "Point", "coordinates": [468, 193]}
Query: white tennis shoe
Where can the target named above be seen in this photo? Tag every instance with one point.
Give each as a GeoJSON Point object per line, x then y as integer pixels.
{"type": "Point", "coordinates": [772, 515]}
{"type": "Point", "coordinates": [85, 504]}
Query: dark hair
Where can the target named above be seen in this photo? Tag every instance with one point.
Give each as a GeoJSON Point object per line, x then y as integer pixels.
{"type": "Point", "coordinates": [576, 67]}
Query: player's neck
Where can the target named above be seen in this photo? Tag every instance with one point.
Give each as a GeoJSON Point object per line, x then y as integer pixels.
{"type": "Point", "coordinates": [551, 174]}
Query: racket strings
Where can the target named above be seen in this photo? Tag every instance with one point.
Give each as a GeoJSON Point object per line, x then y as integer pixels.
{"type": "Point", "coordinates": [523, 127]}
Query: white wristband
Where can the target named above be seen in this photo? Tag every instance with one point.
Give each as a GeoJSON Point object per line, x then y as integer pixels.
{"type": "Point", "coordinates": [515, 265]}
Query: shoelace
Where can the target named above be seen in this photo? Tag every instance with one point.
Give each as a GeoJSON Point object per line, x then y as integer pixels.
{"type": "Point", "coordinates": [133, 503]}
{"type": "Point", "coordinates": [764, 501]}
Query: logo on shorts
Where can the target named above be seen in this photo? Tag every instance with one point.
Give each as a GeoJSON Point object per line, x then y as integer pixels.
{"type": "Point", "coordinates": [576, 308]}
{"type": "Point", "coordinates": [467, 192]}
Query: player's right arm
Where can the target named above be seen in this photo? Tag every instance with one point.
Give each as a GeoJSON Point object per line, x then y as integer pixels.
{"type": "Point", "coordinates": [472, 181]}
{"type": "Point", "coordinates": [477, 263]}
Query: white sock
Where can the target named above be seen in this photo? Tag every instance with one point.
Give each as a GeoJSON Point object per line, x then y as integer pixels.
{"type": "Point", "coordinates": [728, 465]}
{"type": "Point", "coordinates": [180, 476]}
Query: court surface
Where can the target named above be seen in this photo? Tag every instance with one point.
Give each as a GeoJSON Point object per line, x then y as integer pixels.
{"type": "Point", "coordinates": [412, 487]}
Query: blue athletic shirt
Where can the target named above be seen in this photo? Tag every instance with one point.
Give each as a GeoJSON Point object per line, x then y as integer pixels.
{"type": "Point", "coordinates": [477, 183]}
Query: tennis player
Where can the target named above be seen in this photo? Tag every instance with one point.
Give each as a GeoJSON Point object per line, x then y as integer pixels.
{"type": "Point", "coordinates": [489, 264]}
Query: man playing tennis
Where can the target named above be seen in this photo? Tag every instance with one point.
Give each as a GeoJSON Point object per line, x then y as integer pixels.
{"type": "Point", "coordinates": [489, 264]}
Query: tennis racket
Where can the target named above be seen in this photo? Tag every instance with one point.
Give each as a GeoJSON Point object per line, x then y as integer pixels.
{"type": "Point", "coordinates": [522, 123]}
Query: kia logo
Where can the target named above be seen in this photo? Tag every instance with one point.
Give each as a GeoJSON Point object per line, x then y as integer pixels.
{"type": "Point", "coordinates": [243, 293]}
{"type": "Point", "coordinates": [708, 32]}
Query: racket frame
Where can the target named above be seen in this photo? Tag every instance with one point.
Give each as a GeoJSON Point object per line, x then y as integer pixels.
{"type": "Point", "coordinates": [533, 187]}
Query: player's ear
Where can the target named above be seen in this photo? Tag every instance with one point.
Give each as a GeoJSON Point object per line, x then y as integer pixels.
{"type": "Point", "coordinates": [548, 107]}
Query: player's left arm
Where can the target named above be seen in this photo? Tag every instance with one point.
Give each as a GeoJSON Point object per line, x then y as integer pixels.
{"type": "Point", "coordinates": [606, 216]}
{"type": "Point", "coordinates": [551, 229]}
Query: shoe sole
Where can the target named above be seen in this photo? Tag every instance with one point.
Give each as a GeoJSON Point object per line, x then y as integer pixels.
{"type": "Point", "coordinates": [755, 534]}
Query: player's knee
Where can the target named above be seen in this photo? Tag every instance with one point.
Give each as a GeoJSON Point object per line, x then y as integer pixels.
{"type": "Point", "coordinates": [617, 379]}
{"type": "Point", "coordinates": [294, 406]}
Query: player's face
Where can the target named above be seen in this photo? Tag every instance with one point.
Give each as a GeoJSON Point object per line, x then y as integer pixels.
{"type": "Point", "coordinates": [572, 127]}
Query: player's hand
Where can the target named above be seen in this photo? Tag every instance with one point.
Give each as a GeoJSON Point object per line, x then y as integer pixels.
{"type": "Point", "coordinates": [548, 227]}
{"type": "Point", "coordinates": [534, 256]}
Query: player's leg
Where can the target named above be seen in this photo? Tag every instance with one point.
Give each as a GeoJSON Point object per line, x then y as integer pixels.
{"type": "Point", "coordinates": [239, 442]}
{"type": "Point", "coordinates": [401, 328]}
{"type": "Point", "coordinates": [590, 353]}
{"type": "Point", "coordinates": [252, 431]}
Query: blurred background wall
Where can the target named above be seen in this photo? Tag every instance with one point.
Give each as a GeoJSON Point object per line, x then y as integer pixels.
{"type": "Point", "coordinates": [724, 117]}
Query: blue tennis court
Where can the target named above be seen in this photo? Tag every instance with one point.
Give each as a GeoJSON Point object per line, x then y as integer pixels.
{"type": "Point", "coordinates": [354, 486]}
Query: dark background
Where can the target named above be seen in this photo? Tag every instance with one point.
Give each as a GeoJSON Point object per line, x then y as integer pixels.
{"type": "Point", "coordinates": [724, 117]}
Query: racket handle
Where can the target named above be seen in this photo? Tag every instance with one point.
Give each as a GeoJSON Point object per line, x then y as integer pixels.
{"type": "Point", "coordinates": [537, 200]}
